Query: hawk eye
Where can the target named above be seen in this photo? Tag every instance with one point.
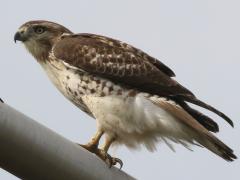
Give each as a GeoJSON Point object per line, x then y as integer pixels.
{"type": "Point", "coordinates": [39, 30]}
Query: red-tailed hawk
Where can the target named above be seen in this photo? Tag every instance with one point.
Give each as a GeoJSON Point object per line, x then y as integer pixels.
{"type": "Point", "coordinates": [131, 95]}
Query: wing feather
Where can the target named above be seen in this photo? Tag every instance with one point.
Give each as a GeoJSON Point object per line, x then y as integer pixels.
{"type": "Point", "coordinates": [119, 62]}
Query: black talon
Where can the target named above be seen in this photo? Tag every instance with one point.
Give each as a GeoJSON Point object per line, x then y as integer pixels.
{"type": "Point", "coordinates": [119, 161]}
{"type": "Point", "coordinates": [113, 161]}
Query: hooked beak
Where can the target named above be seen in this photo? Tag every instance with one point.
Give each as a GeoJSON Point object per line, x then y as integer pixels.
{"type": "Point", "coordinates": [19, 36]}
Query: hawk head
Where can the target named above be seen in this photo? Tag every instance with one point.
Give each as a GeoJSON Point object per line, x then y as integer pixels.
{"type": "Point", "coordinates": [39, 37]}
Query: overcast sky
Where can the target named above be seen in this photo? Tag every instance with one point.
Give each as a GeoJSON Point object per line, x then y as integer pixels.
{"type": "Point", "coordinates": [198, 39]}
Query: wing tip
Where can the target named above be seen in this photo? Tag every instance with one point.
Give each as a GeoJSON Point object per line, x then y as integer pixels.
{"type": "Point", "coordinates": [227, 119]}
{"type": "Point", "coordinates": [203, 119]}
{"type": "Point", "coordinates": [198, 102]}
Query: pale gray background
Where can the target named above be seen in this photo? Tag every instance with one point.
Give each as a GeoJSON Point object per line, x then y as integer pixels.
{"type": "Point", "coordinates": [198, 39]}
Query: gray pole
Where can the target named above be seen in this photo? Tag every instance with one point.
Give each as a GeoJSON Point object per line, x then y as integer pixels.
{"type": "Point", "coordinates": [31, 151]}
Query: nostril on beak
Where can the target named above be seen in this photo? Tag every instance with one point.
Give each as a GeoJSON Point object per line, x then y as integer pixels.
{"type": "Point", "coordinates": [21, 32]}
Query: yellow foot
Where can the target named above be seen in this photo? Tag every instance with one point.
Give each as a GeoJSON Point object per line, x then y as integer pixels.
{"type": "Point", "coordinates": [111, 161]}
{"type": "Point", "coordinates": [90, 147]}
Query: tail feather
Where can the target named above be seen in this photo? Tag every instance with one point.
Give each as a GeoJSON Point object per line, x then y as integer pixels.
{"type": "Point", "coordinates": [196, 101]}
{"type": "Point", "coordinates": [218, 147]}
{"type": "Point", "coordinates": [195, 131]}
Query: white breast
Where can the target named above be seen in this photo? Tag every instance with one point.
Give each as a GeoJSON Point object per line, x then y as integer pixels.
{"type": "Point", "coordinates": [63, 78]}
{"type": "Point", "coordinates": [53, 73]}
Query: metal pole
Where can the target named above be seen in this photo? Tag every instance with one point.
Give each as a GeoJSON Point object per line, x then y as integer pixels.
{"type": "Point", "coordinates": [31, 151]}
